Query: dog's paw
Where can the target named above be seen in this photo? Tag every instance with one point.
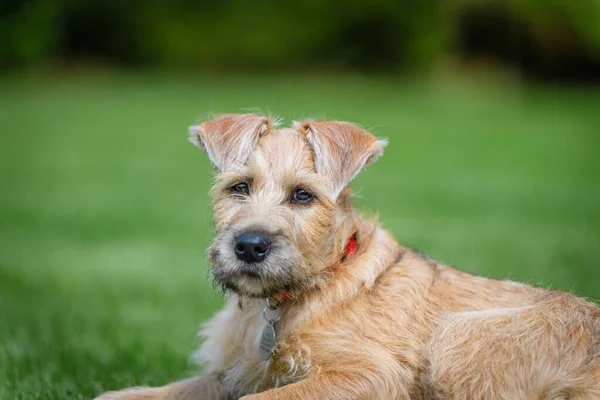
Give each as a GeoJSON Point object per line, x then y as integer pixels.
{"type": "Point", "coordinates": [140, 393]}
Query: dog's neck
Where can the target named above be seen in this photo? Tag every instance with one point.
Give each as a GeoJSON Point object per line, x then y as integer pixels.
{"type": "Point", "coordinates": [350, 249]}
{"type": "Point", "coordinates": [377, 251]}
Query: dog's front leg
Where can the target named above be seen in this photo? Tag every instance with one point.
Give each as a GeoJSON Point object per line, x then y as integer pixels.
{"type": "Point", "coordinates": [206, 387]}
{"type": "Point", "coordinates": [336, 386]}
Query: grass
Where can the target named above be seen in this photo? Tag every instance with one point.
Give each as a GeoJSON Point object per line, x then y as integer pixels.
{"type": "Point", "coordinates": [104, 214]}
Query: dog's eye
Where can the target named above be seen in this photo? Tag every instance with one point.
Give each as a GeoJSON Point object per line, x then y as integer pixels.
{"type": "Point", "coordinates": [302, 196]}
{"type": "Point", "coordinates": [240, 188]}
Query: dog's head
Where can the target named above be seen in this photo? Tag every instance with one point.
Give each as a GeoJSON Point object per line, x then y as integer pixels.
{"type": "Point", "coordinates": [282, 210]}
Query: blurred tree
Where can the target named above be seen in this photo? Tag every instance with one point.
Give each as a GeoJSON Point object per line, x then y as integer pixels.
{"type": "Point", "coordinates": [545, 38]}
{"type": "Point", "coordinates": [29, 32]}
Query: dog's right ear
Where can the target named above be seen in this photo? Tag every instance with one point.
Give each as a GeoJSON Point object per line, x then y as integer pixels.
{"type": "Point", "coordinates": [229, 139]}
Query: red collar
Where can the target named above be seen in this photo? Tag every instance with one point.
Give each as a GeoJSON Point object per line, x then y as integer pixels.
{"type": "Point", "coordinates": [350, 249]}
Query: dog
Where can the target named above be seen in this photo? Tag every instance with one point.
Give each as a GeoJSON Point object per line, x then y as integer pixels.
{"type": "Point", "coordinates": [325, 304]}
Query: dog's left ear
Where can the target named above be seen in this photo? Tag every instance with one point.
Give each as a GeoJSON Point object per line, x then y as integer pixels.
{"type": "Point", "coordinates": [341, 150]}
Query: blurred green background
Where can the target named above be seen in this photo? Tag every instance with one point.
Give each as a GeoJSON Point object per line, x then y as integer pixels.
{"type": "Point", "coordinates": [491, 108]}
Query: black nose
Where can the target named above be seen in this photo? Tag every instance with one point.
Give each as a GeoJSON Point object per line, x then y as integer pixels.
{"type": "Point", "coordinates": [252, 246]}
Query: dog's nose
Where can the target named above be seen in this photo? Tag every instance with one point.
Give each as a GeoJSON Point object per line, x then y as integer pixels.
{"type": "Point", "coordinates": [252, 246]}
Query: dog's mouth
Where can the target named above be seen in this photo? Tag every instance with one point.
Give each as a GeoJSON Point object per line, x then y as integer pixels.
{"type": "Point", "coordinates": [254, 290]}
{"type": "Point", "coordinates": [251, 273]}
{"type": "Point", "coordinates": [252, 280]}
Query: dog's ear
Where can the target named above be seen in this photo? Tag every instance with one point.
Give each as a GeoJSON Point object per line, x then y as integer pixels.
{"type": "Point", "coordinates": [229, 139]}
{"type": "Point", "coordinates": [341, 149]}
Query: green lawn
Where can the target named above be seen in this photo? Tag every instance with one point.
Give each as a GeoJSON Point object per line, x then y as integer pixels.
{"type": "Point", "coordinates": [104, 215]}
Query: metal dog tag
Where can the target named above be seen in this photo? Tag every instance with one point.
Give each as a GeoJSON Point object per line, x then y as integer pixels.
{"type": "Point", "coordinates": [267, 341]}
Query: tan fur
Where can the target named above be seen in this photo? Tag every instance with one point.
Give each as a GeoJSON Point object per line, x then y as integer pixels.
{"type": "Point", "coordinates": [385, 323]}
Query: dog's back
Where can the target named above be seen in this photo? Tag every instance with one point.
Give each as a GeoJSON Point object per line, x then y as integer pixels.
{"type": "Point", "coordinates": [512, 341]}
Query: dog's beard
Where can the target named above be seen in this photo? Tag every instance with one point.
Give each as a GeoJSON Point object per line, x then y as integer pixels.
{"type": "Point", "coordinates": [278, 273]}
